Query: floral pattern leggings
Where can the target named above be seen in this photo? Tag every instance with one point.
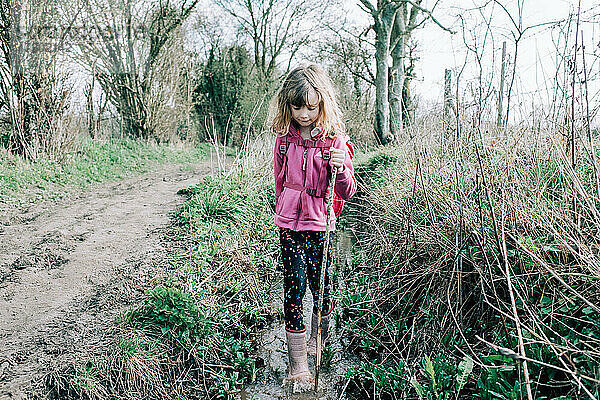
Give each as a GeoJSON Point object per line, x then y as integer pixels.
{"type": "Point", "coordinates": [302, 254]}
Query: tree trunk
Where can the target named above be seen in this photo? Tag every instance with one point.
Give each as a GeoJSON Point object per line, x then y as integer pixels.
{"type": "Point", "coordinates": [396, 87]}
{"type": "Point", "coordinates": [393, 25]}
{"type": "Point", "coordinates": [408, 116]}
{"type": "Point", "coordinates": [400, 101]}
{"type": "Point", "coordinates": [397, 73]}
{"type": "Point", "coordinates": [382, 105]}
{"type": "Point", "coordinates": [383, 31]}
{"type": "Point", "coordinates": [91, 115]}
{"type": "Point", "coordinates": [501, 89]}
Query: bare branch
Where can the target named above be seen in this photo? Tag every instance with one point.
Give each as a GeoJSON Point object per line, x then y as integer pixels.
{"type": "Point", "coordinates": [368, 7]}
{"type": "Point", "coordinates": [430, 14]}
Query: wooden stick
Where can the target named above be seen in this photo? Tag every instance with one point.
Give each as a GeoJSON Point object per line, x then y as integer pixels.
{"type": "Point", "coordinates": [322, 277]}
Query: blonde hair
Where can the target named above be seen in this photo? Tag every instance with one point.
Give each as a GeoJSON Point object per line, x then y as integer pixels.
{"type": "Point", "coordinates": [295, 90]}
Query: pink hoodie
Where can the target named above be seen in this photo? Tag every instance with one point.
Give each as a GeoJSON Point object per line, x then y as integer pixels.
{"type": "Point", "coordinates": [294, 207]}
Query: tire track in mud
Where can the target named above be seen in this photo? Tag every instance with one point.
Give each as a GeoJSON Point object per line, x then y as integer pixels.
{"type": "Point", "coordinates": [67, 269]}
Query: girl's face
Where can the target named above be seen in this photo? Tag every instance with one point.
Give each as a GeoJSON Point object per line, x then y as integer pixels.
{"type": "Point", "coordinates": [309, 113]}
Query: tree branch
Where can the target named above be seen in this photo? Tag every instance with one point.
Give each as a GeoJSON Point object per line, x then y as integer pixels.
{"type": "Point", "coordinates": [369, 6]}
{"type": "Point", "coordinates": [430, 14]}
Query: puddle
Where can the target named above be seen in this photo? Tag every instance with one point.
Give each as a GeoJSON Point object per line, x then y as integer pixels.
{"type": "Point", "coordinates": [273, 350]}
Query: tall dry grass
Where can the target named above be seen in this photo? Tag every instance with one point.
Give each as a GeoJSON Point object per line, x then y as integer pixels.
{"type": "Point", "coordinates": [487, 245]}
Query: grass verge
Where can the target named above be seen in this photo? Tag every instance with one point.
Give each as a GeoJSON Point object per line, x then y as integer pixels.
{"type": "Point", "coordinates": [24, 183]}
{"type": "Point", "coordinates": [476, 272]}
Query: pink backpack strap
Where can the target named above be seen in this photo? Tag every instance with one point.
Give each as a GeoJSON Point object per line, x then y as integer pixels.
{"type": "Point", "coordinates": [308, 143]}
{"type": "Point", "coordinates": [283, 148]}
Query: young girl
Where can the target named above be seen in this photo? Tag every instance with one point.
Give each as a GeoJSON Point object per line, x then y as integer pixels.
{"type": "Point", "coordinates": [310, 142]}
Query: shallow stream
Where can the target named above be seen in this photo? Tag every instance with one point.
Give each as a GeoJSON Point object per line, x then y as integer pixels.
{"type": "Point", "coordinates": [273, 349]}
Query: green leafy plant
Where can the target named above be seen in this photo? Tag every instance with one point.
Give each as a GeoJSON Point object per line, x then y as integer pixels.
{"type": "Point", "coordinates": [369, 380]}
{"type": "Point", "coordinates": [170, 310]}
{"type": "Point", "coordinates": [500, 381]}
{"type": "Point", "coordinates": [327, 354]}
{"type": "Point", "coordinates": [239, 354]}
{"type": "Point", "coordinates": [226, 385]}
{"type": "Point", "coordinates": [442, 379]}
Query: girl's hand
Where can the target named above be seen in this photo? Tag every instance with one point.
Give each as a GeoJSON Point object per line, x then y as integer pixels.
{"type": "Point", "coordinates": [338, 157]}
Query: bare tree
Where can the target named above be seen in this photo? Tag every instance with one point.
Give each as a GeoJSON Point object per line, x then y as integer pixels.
{"type": "Point", "coordinates": [277, 29]}
{"type": "Point", "coordinates": [401, 30]}
{"type": "Point", "coordinates": [129, 37]}
{"type": "Point", "coordinates": [476, 39]}
{"type": "Point", "coordinates": [33, 94]}
{"type": "Point", "coordinates": [393, 23]}
{"type": "Point", "coordinates": [352, 51]}
{"type": "Point", "coordinates": [518, 31]}
{"type": "Point", "coordinates": [383, 15]}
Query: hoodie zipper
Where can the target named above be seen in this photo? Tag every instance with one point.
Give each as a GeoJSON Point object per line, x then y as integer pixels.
{"type": "Point", "coordinates": [304, 180]}
{"type": "Point", "coordinates": [304, 160]}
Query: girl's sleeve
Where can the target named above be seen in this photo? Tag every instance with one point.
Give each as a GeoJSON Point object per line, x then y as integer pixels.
{"type": "Point", "coordinates": [345, 183]}
{"type": "Point", "coordinates": [278, 163]}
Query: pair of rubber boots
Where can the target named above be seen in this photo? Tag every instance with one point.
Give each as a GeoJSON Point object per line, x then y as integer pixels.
{"type": "Point", "coordinates": [298, 349]}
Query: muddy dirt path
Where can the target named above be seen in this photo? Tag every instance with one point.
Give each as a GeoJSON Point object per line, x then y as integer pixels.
{"type": "Point", "coordinates": [67, 269]}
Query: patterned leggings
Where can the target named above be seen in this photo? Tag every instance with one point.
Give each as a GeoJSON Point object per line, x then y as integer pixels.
{"type": "Point", "coordinates": [302, 254]}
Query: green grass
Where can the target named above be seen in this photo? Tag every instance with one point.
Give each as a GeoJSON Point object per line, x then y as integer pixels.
{"type": "Point", "coordinates": [218, 296]}
{"type": "Point", "coordinates": [24, 183]}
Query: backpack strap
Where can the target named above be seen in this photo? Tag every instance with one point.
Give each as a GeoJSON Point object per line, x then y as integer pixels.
{"type": "Point", "coordinates": [308, 143]}
{"type": "Point", "coordinates": [283, 148]}
{"type": "Point", "coordinates": [324, 172]}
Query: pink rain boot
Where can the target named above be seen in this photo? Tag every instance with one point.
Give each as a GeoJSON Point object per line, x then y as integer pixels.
{"type": "Point", "coordinates": [298, 370]}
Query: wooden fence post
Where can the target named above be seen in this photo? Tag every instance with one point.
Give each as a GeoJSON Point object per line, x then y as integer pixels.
{"type": "Point", "coordinates": [499, 121]}
{"type": "Point", "coordinates": [447, 99]}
